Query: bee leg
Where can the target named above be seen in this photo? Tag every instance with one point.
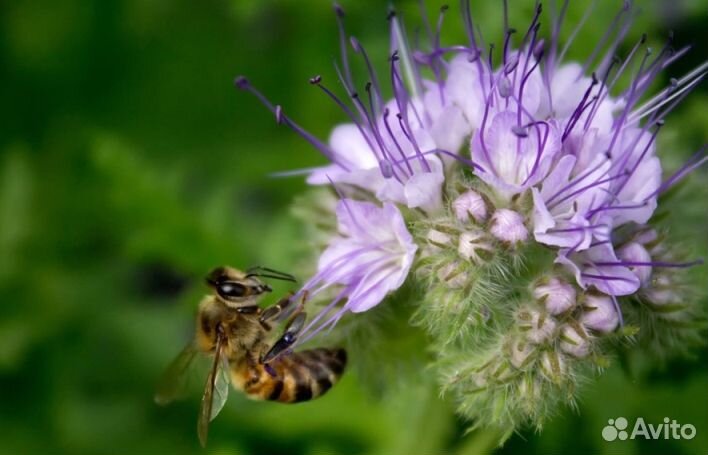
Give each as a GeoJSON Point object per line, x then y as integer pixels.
{"type": "Point", "coordinates": [292, 330]}
{"type": "Point", "coordinates": [272, 312]}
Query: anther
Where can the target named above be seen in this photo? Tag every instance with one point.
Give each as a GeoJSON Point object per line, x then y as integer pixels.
{"type": "Point", "coordinates": [444, 8]}
{"type": "Point", "coordinates": [355, 44]}
{"type": "Point", "coordinates": [391, 14]}
{"type": "Point", "coordinates": [386, 169]}
{"type": "Point", "coordinates": [338, 10]}
{"type": "Point", "coordinates": [241, 82]}
{"type": "Point", "coordinates": [316, 80]}
{"type": "Point", "coordinates": [504, 87]}
{"type": "Point", "coordinates": [519, 131]}
{"type": "Point", "coordinates": [279, 114]}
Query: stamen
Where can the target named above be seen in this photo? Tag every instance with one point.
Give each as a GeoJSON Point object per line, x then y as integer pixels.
{"type": "Point", "coordinates": [358, 48]}
{"type": "Point", "coordinates": [317, 81]}
{"type": "Point", "coordinates": [678, 96]}
{"type": "Point", "coordinates": [580, 109]}
{"type": "Point", "coordinates": [507, 42]}
{"type": "Point", "coordinates": [631, 99]}
{"type": "Point", "coordinates": [470, 30]}
{"type": "Point", "coordinates": [577, 180]}
{"type": "Point", "coordinates": [692, 164]}
{"type": "Point", "coordinates": [411, 139]}
{"type": "Point", "coordinates": [242, 83]}
{"type": "Point", "coordinates": [395, 141]}
{"type": "Point", "coordinates": [605, 208]}
{"type": "Point", "coordinates": [339, 13]}
{"type": "Point", "coordinates": [587, 187]}
{"type": "Point", "coordinates": [604, 90]}
{"type": "Point", "coordinates": [576, 30]}
{"type": "Point", "coordinates": [399, 45]}
{"type": "Point", "coordinates": [658, 264]}
{"type": "Point", "coordinates": [555, 38]}
{"type": "Point", "coordinates": [519, 131]}
{"type": "Point", "coordinates": [504, 87]}
{"type": "Point", "coordinates": [540, 149]}
{"type": "Point", "coordinates": [606, 36]}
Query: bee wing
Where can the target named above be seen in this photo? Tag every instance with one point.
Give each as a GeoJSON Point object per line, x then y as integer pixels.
{"type": "Point", "coordinates": [175, 381]}
{"type": "Point", "coordinates": [216, 391]}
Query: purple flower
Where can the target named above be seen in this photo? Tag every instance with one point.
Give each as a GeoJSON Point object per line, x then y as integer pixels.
{"type": "Point", "coordinates": [600, 313]}
{"type": "Point", "coordinates": [393, 148]}
{"type": "Point", "coordinates": [562, 205]}
{"type": "Point", "coordinates": [598, 266]}
{"type": "Point", "coordinates": [370, 258]}
{"type": "Point", "coordinates": [512, 156]}
{"type": "Point", "coordinates": [417, 184]}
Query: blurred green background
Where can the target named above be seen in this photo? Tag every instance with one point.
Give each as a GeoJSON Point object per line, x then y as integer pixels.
{"type": "Point", "coordinates": [129, 166]}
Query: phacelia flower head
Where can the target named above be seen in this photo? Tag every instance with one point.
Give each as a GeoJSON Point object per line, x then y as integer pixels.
{"type": "Point", "coordinates": [516, 191]}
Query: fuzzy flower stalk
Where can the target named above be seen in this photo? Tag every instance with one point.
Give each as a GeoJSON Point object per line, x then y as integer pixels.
{"type": "Point", "coordinates": [517, 193]}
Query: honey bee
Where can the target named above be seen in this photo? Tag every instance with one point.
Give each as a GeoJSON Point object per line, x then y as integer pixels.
{"type": "Point", "coordinates": [234, 330]}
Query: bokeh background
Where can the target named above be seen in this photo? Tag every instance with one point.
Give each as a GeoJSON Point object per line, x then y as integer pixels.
{"type": "Point", "coordinates": [129, 166]}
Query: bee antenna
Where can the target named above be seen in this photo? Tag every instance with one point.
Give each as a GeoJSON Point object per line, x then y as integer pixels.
{"type": "Point", "coordinates": [283, 277]}
{"type": "Point", "coordinates": [270, 273]}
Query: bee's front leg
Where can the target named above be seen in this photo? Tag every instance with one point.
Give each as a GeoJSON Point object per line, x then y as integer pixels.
{"type": "Point", "coordinates": [275, 312]}
{"type": "Point", "coordinates": [292, 330]}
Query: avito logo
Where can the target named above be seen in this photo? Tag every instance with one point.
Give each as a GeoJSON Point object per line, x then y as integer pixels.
{"type": "Point", "coordinates": [670, 429]}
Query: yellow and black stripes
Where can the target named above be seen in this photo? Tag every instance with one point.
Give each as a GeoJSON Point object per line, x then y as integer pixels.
{"type": "Point", "coordinates": [293, 378]}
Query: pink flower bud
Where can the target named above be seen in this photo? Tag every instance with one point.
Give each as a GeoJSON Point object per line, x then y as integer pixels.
{"type": "Point", "coordinates": [599, 313]}
{"type": "Point", "coordinates": [574, 341]}
{"type": "Point", "coordinates": [470, 203]}
{"type": "Point", "coordinates": [635, 254]}
{"type": "Point", "coordinates": [539, 326]}
{"type": "Point", "coordinates": [558, 296]}
{"type": "Point", "coordinates": [508, 226]}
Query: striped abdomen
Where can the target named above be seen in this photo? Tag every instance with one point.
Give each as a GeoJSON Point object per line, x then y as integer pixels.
{"type": "Point", "coordinates": [296, 377]}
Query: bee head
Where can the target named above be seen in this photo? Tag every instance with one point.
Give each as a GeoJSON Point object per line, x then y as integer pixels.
{"type": "Point", "coordinates": [234, 287]}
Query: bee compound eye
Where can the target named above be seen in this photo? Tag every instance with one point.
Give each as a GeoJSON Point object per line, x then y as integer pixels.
{"type": "Point", "coordinates": [230, 289]}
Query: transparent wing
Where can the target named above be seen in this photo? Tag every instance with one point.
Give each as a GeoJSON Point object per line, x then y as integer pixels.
{"type": "Point", "coordinates": [216, 391]}
{"type": "Point", "coordinates": [176, 379]}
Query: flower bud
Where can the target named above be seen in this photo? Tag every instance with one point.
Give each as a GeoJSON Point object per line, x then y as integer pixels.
{"type": "Point", "coordinates": [438, 238]}
{"type": "Point", "coordinates": [662, 290]}
{"type": "Point", "coordinates": [508, 226]}
{"type": "Point", "coordinates": [599, 313]}
{"type": "Point", "coordinates": [453, 275]}
{"type": "Point", "coordinates": [474, 246]}
{"type": "Point", "coordinates": [520, 353]}
{"type": "Point", "coordinates": [574, 341]}
{"type": "Point", "coordinates": [635, 253]}
{"type": "Point", "coordinates": [558, 296]}
{"type": "Point", "coordinates": [538, 326]}
{"type": "Point", "coordinates": [470, 203]}
{"type": "Point", "coordinates": [553, 366]}
{"type": "Point", "coordinates": [530, 392]}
